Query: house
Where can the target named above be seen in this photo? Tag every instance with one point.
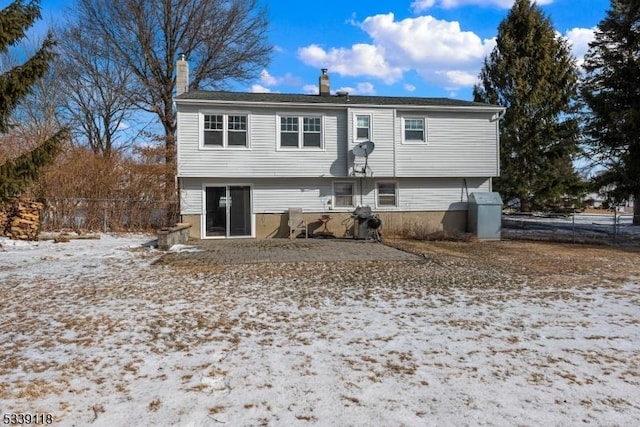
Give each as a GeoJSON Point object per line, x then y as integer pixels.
{"type": "Point", "coordinates": [245, 159]}
{"type": "Point", "coordinates": [601, 200]}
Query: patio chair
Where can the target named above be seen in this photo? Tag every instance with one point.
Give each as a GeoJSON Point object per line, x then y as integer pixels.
{"type": "Point", "coordinates": [297, 222]}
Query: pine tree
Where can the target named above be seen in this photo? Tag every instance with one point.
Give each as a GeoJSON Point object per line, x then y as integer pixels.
{"type": "Point", "coordinates": [611, 90]}
{"type": "Point", "coordinates": [15, 84]}
{"type": "Point", "coordinates": [532, 73]}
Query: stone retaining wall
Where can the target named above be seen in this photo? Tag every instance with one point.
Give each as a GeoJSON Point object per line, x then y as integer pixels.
{"type": "Point", "coordinates": [169, 236]}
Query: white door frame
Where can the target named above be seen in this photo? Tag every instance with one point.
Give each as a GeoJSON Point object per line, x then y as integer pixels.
{"type": "Point", "coordinates": [203, 216]}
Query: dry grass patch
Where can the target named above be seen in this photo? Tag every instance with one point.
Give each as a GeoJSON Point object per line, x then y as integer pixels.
{"type": "Point", "coordinates": [558, 263]}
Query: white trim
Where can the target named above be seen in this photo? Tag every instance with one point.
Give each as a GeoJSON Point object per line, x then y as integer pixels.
{"type": "Point", "coordinates": [225, 130]}
{"type": "Point", "coordinates": [328, 105]}
{"type": "Point", "coordinates": [397, 195]}
{"type": "Point", "coordinates": [425, 126]}
{"type": "Point", "coordinates": [333, 195]}
{"type": "Point", "coordinates": [301, 116]}
{"type": "Point", "coordinates": [354, 135]}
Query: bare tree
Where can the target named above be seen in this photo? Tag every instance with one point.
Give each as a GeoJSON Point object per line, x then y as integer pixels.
{"type": "Point", "coordinates": [38, 113]}
{"type": "Point", "coordinates": [98, 100]}
{"type": "Point", "coordinates": [224, 40]}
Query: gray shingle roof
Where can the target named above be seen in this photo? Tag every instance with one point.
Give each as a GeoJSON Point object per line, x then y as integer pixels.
{"type": "Point", "coordinates": [285, 98]}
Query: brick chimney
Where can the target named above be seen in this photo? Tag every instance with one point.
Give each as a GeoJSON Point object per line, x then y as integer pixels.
{"type": "Point", "coordinates": [182, 75]}
{"type": "Point", "coordinates": [324, 83]}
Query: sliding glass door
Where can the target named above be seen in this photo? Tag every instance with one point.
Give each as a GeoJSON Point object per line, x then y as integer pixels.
{"type": "Point", "coordinates": [228, 211]}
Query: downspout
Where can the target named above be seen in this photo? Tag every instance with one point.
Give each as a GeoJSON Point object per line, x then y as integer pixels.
{"type": "Point", "coordinates": [395, 140]}
{"type": "Point", "coordinates": [500, 116]}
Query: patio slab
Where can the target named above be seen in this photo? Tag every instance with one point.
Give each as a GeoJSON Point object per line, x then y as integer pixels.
{"type": "Point", "coordinates": [251, 251]}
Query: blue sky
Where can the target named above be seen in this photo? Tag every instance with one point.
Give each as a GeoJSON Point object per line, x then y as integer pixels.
{"type": "Point", "coordinates": [430, 48]}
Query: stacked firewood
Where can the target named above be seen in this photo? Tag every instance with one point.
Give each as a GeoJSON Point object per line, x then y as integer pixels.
{"type": "Point", "coordinates": [21, 221]}
{"type": "Point", "coordinates": [4, 219]}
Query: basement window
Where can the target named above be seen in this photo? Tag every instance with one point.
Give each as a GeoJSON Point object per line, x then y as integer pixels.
{"type": "Point", "coordinates": [386, 192]}
{"type": "Point", "coordinates": [343, 194]}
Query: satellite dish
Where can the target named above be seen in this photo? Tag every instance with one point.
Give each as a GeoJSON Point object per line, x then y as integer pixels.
{"type": "Point", "coordinates": [363, 149]}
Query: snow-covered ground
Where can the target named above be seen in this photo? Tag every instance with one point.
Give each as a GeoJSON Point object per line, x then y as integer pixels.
{"type": "Point", "coordinates": [93, 332]}
{"type": "Point", "coordinates": [602, 227]}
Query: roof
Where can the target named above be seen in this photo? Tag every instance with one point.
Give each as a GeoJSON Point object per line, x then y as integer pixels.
{"type": "Point", "coordinates": [341, 100]}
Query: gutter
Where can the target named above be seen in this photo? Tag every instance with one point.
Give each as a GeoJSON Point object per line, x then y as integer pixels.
{"type": "Point", "coordinates": [323, 105]}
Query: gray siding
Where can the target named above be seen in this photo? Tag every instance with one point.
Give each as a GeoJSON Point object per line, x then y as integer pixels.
{"type": "Point", "coordinates": [263, 158]}
{"type": "Point", "coordinates": [381, 161]}
{"type": "Point", "coordinates": [458, 144]}
{"type": "Point", "coordinates": [313, 195]}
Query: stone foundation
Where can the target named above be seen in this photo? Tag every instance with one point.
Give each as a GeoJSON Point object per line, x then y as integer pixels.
{"type": "Point", "coordinates": [341, 223]}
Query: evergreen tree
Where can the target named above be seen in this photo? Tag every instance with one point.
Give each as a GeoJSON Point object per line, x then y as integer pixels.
{"type": "Point", "coordinates": [532, 73]}
{"type": "Point", "coordinates": [15, 84]}
{"type": "Point", "coordinates": [611, 90]}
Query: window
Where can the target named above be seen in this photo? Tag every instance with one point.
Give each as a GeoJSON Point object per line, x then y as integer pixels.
{"type": "Point", "coordinates": [414, 129]}
{"type": "Point", "coordinates": [311, 132]}
{"type": "Point", "coordinates": [363, 127]}
{"type": "Point", "coordinates": [237, 131]}
{"type": "Point", "coordinates": [289, 132]}
{"type": "Point", "coordinates": [222, 130]}
{"type": "Point", "coordinates": [386, 194]}
{"type": "Point", "coordinates": [292, 135]}
{"type": "Point", "coordinates": [343, 194]}
{"type": "Point", "coordinates": [213, 130]}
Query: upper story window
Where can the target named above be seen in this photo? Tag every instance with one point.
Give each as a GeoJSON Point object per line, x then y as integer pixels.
{"type": "Point", "coordinates": [237, 126]}
{"type": "Point", "coordinates": [414, 129]}
{"type": "Point", "coordinates": [225, 130]}
{"type": "Point", "coordinates": [213, 130]}
{"type": "Point", "coordinates": [289, 132]}
{"type": "Point", "coordinates": [300, 132]}
{"type": "Point", "coordinates": [363, 127]}
{"type": "Point", "coordinates": [311, 132]}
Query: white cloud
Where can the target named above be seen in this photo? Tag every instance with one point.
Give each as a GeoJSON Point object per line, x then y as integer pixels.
{"type": "Point", "coordinates": [424, 40]}
{"type": "Point", "coordinates": [425, 44]}
{"type": "Point", "coordinates": [311, 89]}
{"type": "Point", "coordinates": [421, 5]}
{"type": "Point", "coordinates": [259, 89]}
{"type": "Point", "coordinates": [359, 60]}
{"type": "Point", "coordinates": [409, 87]}
{"type": "Point", "coordinates": [364, 88]}
{"type": "Point", "coordinates": [123, 126]}
{"type": "Point", "coordinates": [268, 80]}
{"type": "Point", "coordinates": [579, 39]}
{"type": "Point", "coordinates": [460, 78]}
{"type": "Point", "coordinates": [347, 89]}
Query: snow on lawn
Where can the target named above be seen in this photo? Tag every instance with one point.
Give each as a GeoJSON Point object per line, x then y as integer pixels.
{"type": "Point", "coordinates": [94, 332]}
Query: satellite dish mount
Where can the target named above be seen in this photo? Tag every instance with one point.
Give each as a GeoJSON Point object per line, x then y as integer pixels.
{"type": "Point", "coordinates": [363, 149]}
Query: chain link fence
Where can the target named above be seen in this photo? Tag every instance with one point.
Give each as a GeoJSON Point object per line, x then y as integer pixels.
{"type": "Point", "coordinates": [609, 227]}
{"type": "Point", "coordinates": [107, 215]}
